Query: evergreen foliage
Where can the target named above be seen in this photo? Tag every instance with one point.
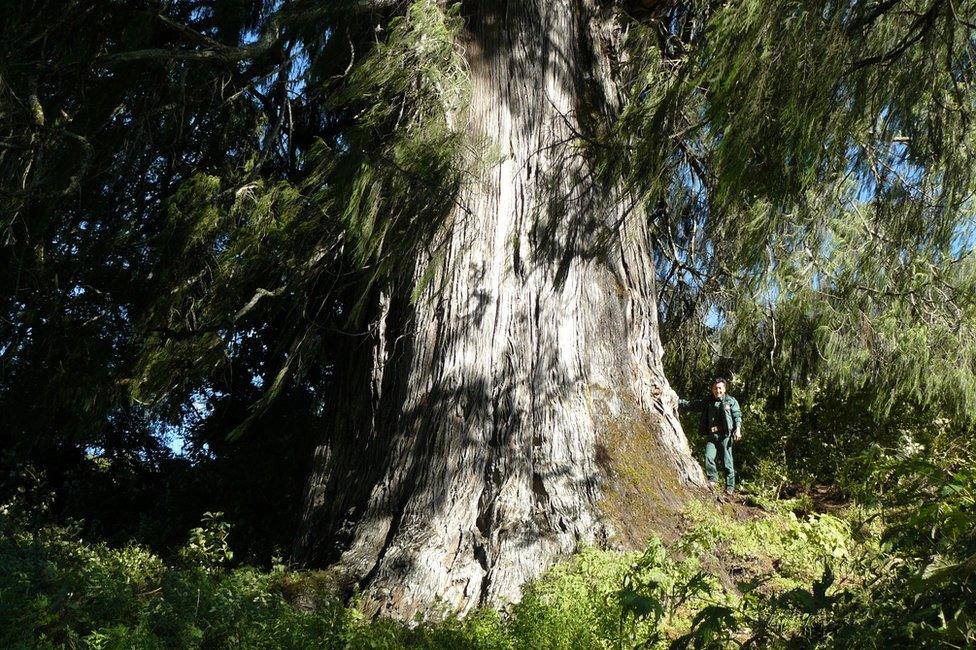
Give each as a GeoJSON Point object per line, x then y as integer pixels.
{"type": "Point", "coordinates": [202, 201]}
{"type": "Point", "coordinates": [200, 198]}
{"type": "Point", "coordinates": [812, 168]}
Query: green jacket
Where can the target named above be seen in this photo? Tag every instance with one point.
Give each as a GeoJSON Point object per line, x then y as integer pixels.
{"type": "Point", "coordinates": [730, 408]}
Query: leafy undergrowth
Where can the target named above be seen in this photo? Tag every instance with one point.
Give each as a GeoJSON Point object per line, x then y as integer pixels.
{"type": "Point", "coordinates": [739, 576]}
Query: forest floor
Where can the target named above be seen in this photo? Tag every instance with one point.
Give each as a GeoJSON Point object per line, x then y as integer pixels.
{"type": "Point", "coordinates": [736, 567]}
{"type": "Point", "coordinates": [743, 511]}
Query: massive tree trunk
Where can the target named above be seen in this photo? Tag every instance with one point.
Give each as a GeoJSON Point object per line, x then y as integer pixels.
{"type": "Point", "coordinates": [518, 409]}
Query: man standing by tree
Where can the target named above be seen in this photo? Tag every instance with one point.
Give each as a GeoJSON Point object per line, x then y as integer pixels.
{"type": "Point", "coordinates": [720, 425]}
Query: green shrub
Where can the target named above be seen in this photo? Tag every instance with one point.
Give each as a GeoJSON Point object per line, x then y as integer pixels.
{"type": "Point", "coordinates": [895, 577]}
{"type": "Point", "coordinates": [208, 547]}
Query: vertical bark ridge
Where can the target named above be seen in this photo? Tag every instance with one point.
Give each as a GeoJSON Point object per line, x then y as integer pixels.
{"type": "Point", "coordinates": [527, 348]}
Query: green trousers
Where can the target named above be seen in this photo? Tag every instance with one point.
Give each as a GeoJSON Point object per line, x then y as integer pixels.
{"type": "Point", "coordinates": [713, 445]}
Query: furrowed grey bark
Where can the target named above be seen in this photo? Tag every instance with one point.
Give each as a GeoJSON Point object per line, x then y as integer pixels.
{"type": "Point", "coordinates": [518, 409]}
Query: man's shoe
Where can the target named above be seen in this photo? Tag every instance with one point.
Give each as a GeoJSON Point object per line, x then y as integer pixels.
{"type": "Point", "coordinates": [711, 486]}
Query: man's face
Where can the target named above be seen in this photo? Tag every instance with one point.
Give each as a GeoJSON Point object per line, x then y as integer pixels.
{"type": "Point", "coordinates": [718, 389]}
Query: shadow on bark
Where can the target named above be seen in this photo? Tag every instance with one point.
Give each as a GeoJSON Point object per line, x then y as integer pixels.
{"type": "Point", "coordinates": [489, 423]}
{"type": "Point", "coordinates": [574, 215]}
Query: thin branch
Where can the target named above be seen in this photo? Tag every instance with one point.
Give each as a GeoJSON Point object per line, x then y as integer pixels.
{"type": "Point", "coordinates": [923, 24]}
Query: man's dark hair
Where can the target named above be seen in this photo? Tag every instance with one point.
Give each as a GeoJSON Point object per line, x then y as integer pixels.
{"type": "Point", "coordinates": [719, 380]}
